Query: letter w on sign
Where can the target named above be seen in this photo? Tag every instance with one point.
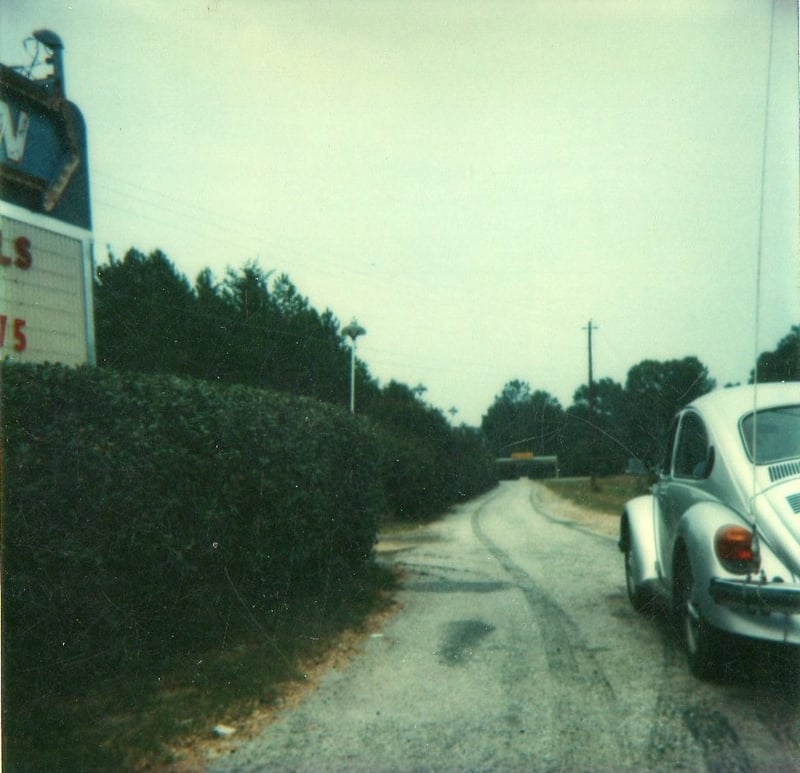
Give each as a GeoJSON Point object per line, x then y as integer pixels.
{"type": "Point", "coordinates": [13, 138]}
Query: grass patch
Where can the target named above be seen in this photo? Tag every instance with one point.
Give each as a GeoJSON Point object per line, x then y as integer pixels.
{"type": "Point", "coordinates": [611, 495]}
{"type": "Point", "coordinates": [391, 526]}
{"type": "Point", "coordinates": [137, 721]}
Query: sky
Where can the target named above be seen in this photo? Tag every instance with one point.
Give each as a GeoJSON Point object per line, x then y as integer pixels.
{"type": "Point", "coordinates": [473, 181]}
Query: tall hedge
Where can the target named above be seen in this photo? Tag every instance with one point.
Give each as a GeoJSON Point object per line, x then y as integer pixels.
{"type": "Point", "coordinates": [140, 512]}
{"type": "Point", "coordinates": [423, 477]}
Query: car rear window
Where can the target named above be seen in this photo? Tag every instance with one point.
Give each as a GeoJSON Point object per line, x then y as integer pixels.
{"type": "Point", "coordinates": [773, 434]}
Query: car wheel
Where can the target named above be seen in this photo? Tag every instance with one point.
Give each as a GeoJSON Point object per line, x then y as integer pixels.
{"type": "Point", "coordinates": [640, 599]}
{"type": "Point", "coordinates": [702, 640]}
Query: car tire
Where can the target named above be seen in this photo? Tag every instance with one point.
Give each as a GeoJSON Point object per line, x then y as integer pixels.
{"type": "Point", "coordinates": [640, 599]}
{"type": "Point", "coordinates": [701, 640]}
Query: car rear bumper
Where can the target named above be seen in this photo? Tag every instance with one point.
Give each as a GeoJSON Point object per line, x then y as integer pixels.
{"type": "Point", "coordinates": [757, 597]}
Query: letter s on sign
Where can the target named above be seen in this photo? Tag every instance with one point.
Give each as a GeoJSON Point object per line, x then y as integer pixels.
{"type": "Point", "coordinates": [20, 341]}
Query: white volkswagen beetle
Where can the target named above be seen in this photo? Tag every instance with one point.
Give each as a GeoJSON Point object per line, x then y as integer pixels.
{"type": "Point", "coordinates": [718, 537]}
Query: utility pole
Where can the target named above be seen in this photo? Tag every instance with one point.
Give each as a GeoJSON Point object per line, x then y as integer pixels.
{"type": "Point", "coordinates": [592, 433]}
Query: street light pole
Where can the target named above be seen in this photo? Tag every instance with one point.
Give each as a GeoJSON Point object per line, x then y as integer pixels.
{"type": "Point", "coordinates": [353, 331]}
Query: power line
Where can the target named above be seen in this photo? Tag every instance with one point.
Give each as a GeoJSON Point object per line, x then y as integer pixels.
{"type": "Point", "coordinates": [207, 224]}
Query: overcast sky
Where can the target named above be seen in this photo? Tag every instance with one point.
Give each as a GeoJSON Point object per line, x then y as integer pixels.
{"type": "Point", "coordinates": [473, 181]}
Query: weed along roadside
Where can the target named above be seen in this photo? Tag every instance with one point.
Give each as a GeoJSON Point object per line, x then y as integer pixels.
{"type": "Point", "coordinates": [608, 497]}
{"type": "Point", "coordinates": [175, 552]}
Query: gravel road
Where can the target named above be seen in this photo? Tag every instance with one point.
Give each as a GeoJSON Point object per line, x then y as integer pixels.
{"type": "Point", "coordinates": [516, 649]}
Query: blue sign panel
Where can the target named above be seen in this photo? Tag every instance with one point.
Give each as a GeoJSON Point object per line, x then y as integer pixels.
{"type": "Point", "coordinates": [43, 159]}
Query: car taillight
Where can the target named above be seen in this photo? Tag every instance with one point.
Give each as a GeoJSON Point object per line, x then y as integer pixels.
{"type": "Point", "coordinates": [737, 549]}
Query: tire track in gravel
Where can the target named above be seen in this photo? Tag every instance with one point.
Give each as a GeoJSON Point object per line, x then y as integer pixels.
{"type": "Point", "coordinates": [708, 716]}
{"type": "Point", "coordinates": [669, 743]}
{"type": "Point", "coordinates": [586, 716]}
{"type": "Point", "coordinates": [688, 719]}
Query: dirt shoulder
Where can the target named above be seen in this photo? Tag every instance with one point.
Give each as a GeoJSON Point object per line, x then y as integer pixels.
{"type": "Point", "coordinates": [191, 753]}
{"type": "Point", "coordinates": [563, 509]}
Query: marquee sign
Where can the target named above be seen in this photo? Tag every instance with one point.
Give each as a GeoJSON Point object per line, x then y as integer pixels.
{"type": "Point", "coordinates": [46, 311]}
{"type": "Point", "coordinates": [45, 300]}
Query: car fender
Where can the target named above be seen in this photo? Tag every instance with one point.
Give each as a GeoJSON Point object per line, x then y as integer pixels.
{"type": "Point", "coordinates": [637, 530]}
{"type": "Point", "coordinates": [696, 531]}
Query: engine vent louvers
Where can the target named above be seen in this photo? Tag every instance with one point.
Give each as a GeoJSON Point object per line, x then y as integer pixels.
{"type": "Point", "coordinates": [783, 470]}
{"type": "Point", "coordinates": [794, 502]}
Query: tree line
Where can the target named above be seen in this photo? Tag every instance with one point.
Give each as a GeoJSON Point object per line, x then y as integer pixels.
{"type": "Point", "coordinates": [255, 328]}
{"type": "Point", "coordinates": [629, 421]}
{"type": "Point", "coordinates": [251, 328]}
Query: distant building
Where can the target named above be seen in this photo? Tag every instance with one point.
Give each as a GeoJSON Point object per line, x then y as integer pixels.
{"type": "Point", "coordinates": [524, 464]}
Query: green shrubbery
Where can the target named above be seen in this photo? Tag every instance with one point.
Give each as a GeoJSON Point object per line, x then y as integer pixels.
{"type": "Point", "coordinates": [144, 515]}
{"type": "Point", "coordinates": [151, 521]}
{"type": "Point", "coordinates": [422, 477]}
